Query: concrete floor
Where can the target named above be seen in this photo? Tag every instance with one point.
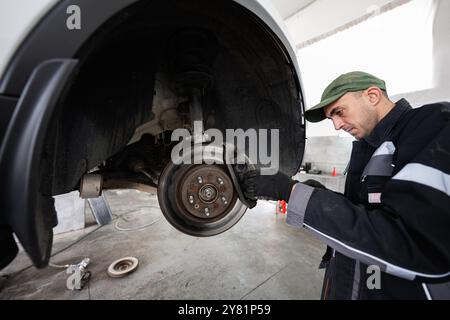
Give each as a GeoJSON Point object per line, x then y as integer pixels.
{"type": "Point", "coordinates": [259, 258]}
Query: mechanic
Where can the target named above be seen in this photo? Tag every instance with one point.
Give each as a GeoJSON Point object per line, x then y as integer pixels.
{"type": "Point", "coordinates": [395, 213]}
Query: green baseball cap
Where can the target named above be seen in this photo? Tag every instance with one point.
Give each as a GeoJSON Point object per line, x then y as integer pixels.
{"type": "Point", "coordinates": [349, 82]}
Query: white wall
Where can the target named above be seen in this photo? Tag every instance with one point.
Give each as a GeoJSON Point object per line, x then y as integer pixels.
{"type": "Point", "coordinates": [441, 37]}
{"type": "Point", "coordinates": [440, 90]}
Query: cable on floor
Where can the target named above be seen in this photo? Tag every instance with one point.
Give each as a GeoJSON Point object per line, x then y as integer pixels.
{"type": "Point", "coordinates": [123, 218]}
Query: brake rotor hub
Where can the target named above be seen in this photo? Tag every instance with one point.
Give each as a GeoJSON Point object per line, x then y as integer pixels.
{"type": "Point", "coordinates": [206, 192]}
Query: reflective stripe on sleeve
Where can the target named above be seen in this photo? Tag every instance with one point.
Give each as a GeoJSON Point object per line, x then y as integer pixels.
{"type": "Point", "coordinates": [422, 174]}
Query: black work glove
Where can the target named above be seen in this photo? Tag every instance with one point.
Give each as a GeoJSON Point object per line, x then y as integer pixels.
{"type": "Point", "coordinates": [273, 187]}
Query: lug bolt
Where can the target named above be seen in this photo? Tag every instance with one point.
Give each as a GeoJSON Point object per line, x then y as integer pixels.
{"type": "Point", "coordinates": [191, 199]}
{"type": "Point", "coordinates": [200, 179]}
{"type": "Point", "coordinates": [219, 179]}
{"type": "Point", "coordinates": [224, 200]}
{"type": "Point", "coordinates": [207, 212]}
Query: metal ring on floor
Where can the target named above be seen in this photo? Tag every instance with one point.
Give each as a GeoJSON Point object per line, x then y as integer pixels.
{"type": "Point", "coordinates": [122, 267]}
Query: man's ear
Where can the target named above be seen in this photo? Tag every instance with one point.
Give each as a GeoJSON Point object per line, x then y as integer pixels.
{"type": "Point", "coordinates": [374, 95]}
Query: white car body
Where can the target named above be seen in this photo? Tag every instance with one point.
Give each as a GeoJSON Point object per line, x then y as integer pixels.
{"type": "Point", "coordinates": [18, 18]}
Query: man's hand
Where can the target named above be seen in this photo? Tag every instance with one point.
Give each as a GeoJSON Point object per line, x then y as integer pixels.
{"type": "Point", "coordinates": [273, 187]}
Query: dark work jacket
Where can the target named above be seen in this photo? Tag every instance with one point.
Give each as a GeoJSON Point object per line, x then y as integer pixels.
{"type": "Point", "coordinates": [394, 219]}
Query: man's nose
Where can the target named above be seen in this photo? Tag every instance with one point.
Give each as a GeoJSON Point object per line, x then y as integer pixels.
{"type": "Point", "coordinates": [338, 123]}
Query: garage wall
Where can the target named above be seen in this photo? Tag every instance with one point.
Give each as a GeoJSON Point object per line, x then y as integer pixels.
{"type": "Point", "coordinates": [326, 153]}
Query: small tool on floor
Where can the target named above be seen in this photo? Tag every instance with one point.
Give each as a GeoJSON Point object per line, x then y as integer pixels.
{"type": "Point", "coordinates": [79, 276]}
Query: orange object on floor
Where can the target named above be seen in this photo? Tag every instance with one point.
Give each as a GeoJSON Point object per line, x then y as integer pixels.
{"type": "Point", "coordinates": [281, 207]}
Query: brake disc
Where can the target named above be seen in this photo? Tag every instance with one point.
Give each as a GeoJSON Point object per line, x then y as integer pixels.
{"type": "Point", "coordinates": [199, 200]}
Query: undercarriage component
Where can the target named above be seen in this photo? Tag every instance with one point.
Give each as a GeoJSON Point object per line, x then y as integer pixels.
{"type": "Point", "coordinates": [199, 200]}
{"type": "Point", "coordinates": [91, 186]}
{"type": "Point", "coordinates": [138, 166]}
{"type": "Point", "coordinates": [164, 110]}
{"type": "Point", "coordinates": [129, 184]}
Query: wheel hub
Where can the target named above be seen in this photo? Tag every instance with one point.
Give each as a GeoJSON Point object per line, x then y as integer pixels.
{"type": "Point", "coordinates": [206, 192]}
